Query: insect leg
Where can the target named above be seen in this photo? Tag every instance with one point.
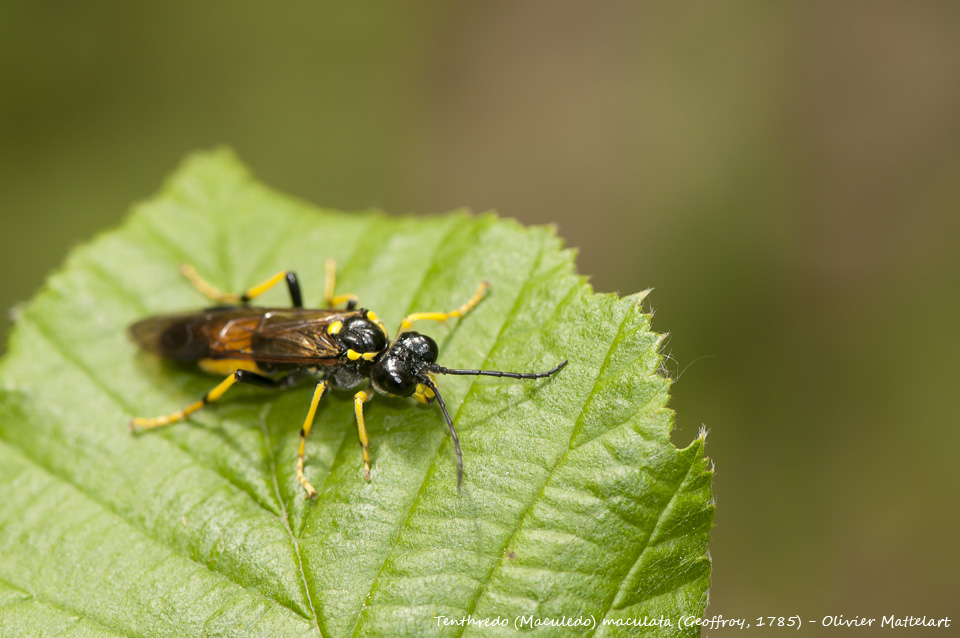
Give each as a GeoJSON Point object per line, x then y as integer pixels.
{"type": "Point", "coordinates": [240, 376]}
{"type": "Point", "coordinates": [358, 400]}
{"type": "Point", "coordinates": [304, 432]}
{"type": "Point", "coordinates": [211, 396]}
{"type": "Point", "coordinates": [408, 321]}
{"type": "Point", "coordinates": [293, 285]}
{"type": "Point", "coordinates": [329, 297]}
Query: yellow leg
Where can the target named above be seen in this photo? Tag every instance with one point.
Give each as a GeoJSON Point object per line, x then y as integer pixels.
{"type": "Point", "coordinates": [329, 297]}
{"type": "Point", "coordinates": [217, 295]}
{"type": "Point", "coordinates": [358, 400]}
{"type": "Point", "coordinates": [180, 415]}
{"type": "Point", "coordinates": [408, 321]}
{"type": "Point", "coordinates": [304, 432]}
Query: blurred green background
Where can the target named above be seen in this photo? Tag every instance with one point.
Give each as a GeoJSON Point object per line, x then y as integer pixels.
{"type": "Point", "coordinates": [786, 175]}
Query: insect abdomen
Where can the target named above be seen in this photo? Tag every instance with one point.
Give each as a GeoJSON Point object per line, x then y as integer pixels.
{"type": "Point", "coordinates": [228, 366]}
{"type": "Point", "coordinates": [176, 339]}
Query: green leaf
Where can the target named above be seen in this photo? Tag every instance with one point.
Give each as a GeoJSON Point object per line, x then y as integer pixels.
{"type": "Point", "coordinates": [574, 503]}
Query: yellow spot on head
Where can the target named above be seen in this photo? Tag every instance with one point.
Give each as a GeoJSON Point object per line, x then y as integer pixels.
{"type": "Point", "coordinates": [335, 327]}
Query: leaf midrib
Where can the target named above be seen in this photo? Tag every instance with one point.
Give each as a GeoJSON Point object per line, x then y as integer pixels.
{"type": "Point", "coordinates": [427, 474]}
{"type": "Point", "coordinates": [262, 417]}
{"type": "Point", "coordinates": [617, 599]}
{"type": "Point", "coordinates": [86, 614]}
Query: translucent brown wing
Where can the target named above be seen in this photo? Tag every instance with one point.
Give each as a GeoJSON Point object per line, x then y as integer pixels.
{"type": "Point", "coordinates": [267, 335]}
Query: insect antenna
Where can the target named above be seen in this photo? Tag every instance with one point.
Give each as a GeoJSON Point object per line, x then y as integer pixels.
{"type": "Point", "coordinates": [497, 373]}
{"type": "Point", "coordinates": [427, 381]}
{"type": "Point", "coordinates": [456, 440]}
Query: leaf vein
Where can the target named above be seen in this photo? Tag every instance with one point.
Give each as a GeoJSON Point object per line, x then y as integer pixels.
{"type": "Point", "coordinates": [416, 498]}
{"type": "Point", "coordinates": [286, 518]}
{"type": "Point", "coordinates": [146, 533]}
{"type": "Point", "coordinates": [353, 254]}
{"type": "Point", "coordinates": [549, 475]}
{"type": "Point", "coordinates": [617, 599]}
{"type": "Point", "coordinates": [32, 597]}
{"type": "Point", "coordinates": [52, 472]}
{"type": "Point", "coordinates": [118, 400]}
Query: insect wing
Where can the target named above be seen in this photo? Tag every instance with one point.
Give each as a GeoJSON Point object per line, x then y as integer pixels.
{"type": "Point", "coordinates": [181, 337]}
{"type": "Point", "coordinates": [282, 336]}
{"type": "Point", "coordinates": [268, 335]}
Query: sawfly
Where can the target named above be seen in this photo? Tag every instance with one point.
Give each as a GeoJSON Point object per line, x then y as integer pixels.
{"type": "Point", "coordinates": [281, 347]}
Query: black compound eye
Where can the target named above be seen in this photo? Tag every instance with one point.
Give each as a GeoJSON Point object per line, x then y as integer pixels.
{"type": "Point", "coordinates": [422, 347]}
{"type": "Point", "coordinates": [362, 335]}
{"type": "Point", "coordinates": [392, 375]}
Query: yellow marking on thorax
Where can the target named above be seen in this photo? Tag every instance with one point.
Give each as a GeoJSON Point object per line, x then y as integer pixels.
{"type": "Point", "coordinates": [372, 316]}
{"type": "Point", "coordinates": [353, 355]}
{"type": "Point", "coordinates": [227, 366]}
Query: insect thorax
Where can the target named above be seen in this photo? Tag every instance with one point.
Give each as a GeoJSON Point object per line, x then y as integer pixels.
{"type": "Point", "coordinates": [345, 377]}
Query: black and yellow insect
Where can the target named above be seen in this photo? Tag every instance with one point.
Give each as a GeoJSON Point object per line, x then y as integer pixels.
{"type": "Point", "coordinates": [280, 347]}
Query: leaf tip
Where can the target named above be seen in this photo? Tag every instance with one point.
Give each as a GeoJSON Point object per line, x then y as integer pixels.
{"type": "Point", "coordinates": [640, 296]}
